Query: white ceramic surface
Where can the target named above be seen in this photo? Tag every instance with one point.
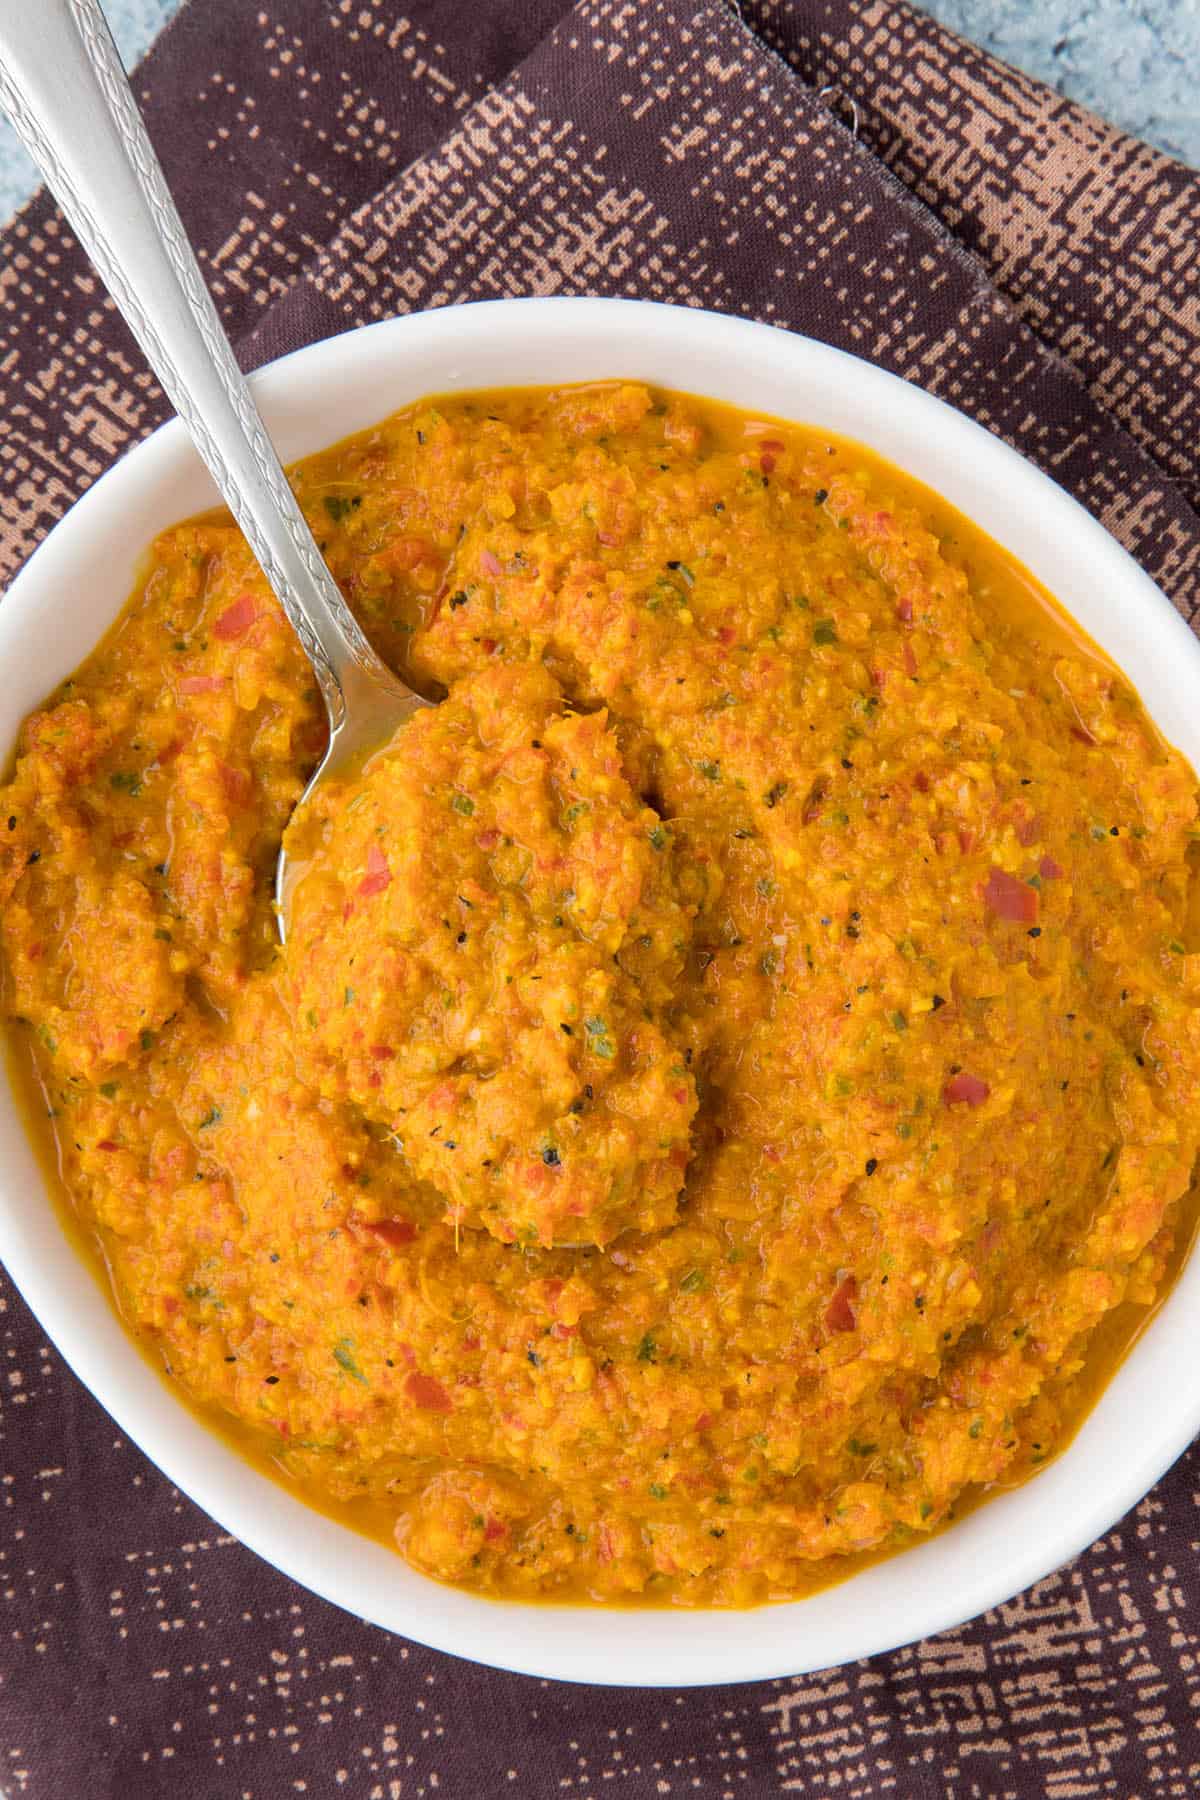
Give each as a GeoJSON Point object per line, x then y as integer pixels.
{"type": "Point", "coordinates": [70, 592]}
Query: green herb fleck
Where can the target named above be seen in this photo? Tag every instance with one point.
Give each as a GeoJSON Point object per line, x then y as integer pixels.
{"type": "Point", "coordinates": [343, 1356]}
{"type": "Point", "coordinates": [599, 1041]}
{"type": "Point", "coordinates": [339, 506]}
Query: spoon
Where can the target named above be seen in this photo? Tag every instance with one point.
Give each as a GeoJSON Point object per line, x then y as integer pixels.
{"type": "Point", "coordinates": [65, 91]}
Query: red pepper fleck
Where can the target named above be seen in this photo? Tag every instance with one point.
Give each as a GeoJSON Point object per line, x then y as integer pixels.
{"type": "Point", "coordinates": [1050, 870]}
{"type": "Point", "coordinates": [378, 875]}
{"type": "Point", "coordinates": [726, 634]}
{"type": "Point", "coordinates": [966, 842]}
{"type": "Point", "coordinates": [237, 619]}
{"type": "Point", "coordinates": [965, 1088]}
{"type": "Point", "coordinates": [427, 1392]}
{"type": "Point", "coordinates": [494, 1530]}
{"type": "Point", "coordinates": [235, 783]}
{"type": "Point", "coordinates": [766, 463]}
{"type": "Point", "coordinates": [921, 781]}
{"type": "Point", "coordinates": [407, 552]}
{"type": "Point", "coordinates": [840, 1314]}
{"type": "Point", "coordinates": [1083, 734]}
{"type": "Point", "coordinates": [904, 611]}
{"type": "Point", "coordinates": [1010, 898]}
{"type": "Point", "coordinates": [392, 1231]}
{"type": "Point", "coordinates": [488, 646]}
{"type": "Point", "coordinates": [382, 1052]}
{"type": "Point", "coordinates": [107, 1144]}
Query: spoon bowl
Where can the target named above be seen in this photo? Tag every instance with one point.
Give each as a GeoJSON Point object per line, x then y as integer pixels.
{"type": "Point", "coordinates": [376, 705]}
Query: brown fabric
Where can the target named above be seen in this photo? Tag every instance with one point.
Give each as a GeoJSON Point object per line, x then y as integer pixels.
{"type": "Point", "coordinates": [1091, 235]}
{"type": "Point", "coordinates": [340, 160]}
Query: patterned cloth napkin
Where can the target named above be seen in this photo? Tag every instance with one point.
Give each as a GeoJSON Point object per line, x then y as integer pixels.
{"type": "Point", "coordinates": [841, 167]}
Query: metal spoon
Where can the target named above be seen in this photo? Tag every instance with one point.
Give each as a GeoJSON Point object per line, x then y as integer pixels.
{"type": "Point", "coordinates": [63, 87]}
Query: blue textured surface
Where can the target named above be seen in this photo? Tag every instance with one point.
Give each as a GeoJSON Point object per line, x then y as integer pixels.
{"type": "Point", "coordinates": [135, 25]}
{"type": "Point", "coordinates": [1135, 61]}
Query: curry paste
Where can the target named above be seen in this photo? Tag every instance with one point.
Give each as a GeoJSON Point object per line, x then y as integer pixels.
{"type": "Point", "coordinates": [734, 1057]}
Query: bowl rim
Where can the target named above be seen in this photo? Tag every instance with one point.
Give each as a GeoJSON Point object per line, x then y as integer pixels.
{"type": "Point", "coordinates": [972, 1570]}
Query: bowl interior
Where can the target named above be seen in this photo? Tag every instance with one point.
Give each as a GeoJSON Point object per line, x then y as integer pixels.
{"type": "Point", "coordinates": [72, 590]}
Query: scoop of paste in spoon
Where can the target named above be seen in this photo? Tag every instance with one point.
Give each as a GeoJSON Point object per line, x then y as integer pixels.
{"type": "Point", "coordinates": [484, 952]}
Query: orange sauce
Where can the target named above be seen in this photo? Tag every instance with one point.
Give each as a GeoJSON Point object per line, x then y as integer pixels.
{"type": "Point", "coordinates": [835, 896]}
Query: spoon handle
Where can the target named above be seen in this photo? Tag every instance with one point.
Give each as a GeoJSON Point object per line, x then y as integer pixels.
{"type": "Point", "coordinates": [63, 87]}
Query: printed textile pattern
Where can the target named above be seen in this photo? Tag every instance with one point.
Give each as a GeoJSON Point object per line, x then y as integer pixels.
{"type": "Point", "coordinates": [845, 168]}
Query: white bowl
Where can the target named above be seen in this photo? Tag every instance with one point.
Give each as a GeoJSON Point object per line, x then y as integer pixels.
{"type": "Point", "coordinates": [69, 594]}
